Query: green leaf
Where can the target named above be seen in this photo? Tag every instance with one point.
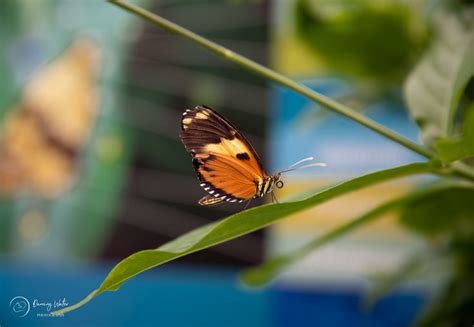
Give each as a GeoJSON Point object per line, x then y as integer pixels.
{"type": "Point", "coordinates": [237, 225]}
{"type": "Point", "coordinates": [266, 272]}
{"type": "Point", "coordinates": [434, 87]}
{"type": "Point", "coordinates": [447, 210]}
{"type": "Point", "coordinates": [342, 33]}
{"type": "Point", "coordinates": [457, 148]}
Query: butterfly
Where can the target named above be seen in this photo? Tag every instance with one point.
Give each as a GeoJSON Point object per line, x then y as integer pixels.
{"type": "Point", "coordinates": [226, 164]}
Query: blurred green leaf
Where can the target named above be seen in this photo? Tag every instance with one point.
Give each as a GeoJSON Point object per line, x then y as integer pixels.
{"type": "Point", "coordinates": [453, 305]}
{"type": "Point", "coordinates": [237, 225]}
{"type": "Point", "coordinates": [384, 284]}
{"type": "Point", "coordinates": [442, 211]}
{"type": "Point", "coordinates": [373, 40]}
{"type": "Point", "coordinates": [264, 273]}
{"type": "Point", "coordinates": [457, 148]}
{"type": "Point", "coordinates": [434, 87]}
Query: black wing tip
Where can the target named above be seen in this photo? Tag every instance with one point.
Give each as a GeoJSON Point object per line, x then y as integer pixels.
{"type": "Point", "coordinates": [203, 107]}
{"type": "Point", "coordinates": [190, 112]}
{"type": "Point", "coordinates": [197, 108]}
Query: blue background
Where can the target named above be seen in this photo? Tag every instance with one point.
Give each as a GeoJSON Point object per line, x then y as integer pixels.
{"type": "Point", "coordinates": [181, 295]}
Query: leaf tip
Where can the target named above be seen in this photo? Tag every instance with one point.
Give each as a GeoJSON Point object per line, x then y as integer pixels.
{"type": "Point", "coordinates": [254, 278]}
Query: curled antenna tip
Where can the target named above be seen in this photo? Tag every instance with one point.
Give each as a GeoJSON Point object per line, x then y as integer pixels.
{"type": "Point", "coordinates": [316, 164]}
{"type": "Point", "coordinates": [299, 162]}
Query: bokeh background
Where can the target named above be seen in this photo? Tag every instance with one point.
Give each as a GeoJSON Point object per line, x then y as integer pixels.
{"type": "Point", "coordinates": [92, 168]}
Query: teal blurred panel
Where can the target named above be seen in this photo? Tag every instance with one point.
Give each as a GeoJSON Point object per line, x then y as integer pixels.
{"type": "Point", "coordinates": [77, 223]}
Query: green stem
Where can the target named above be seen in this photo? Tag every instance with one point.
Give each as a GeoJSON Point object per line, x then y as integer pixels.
{"type": "Point", "coordinates": [462, 169]}
{"type": "Point", "coordinates": [77, 305]}
{"type": "Point", "coordinates": [272, 75]}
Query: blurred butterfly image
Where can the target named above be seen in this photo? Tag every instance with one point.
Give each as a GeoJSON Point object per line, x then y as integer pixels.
{"type": "Point", "coordinates": [226, 164]}
{"type": "Point", "coordinates": [44, 132]}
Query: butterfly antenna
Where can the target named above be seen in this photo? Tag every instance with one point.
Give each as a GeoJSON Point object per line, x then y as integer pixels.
{"type": "Point", "coordinates": [301, 161]}
{"type": "Point", "coordinates": [316, 164]}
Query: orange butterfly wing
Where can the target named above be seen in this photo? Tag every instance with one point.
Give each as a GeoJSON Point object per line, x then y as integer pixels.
{"type": "Point", "coordinates": [225, 162]}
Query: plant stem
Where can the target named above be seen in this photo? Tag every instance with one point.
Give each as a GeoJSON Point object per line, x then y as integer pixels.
{"type": "Point", "coordinates": [272, 75]}
{"type": "Point", "coordinates": [462, 169]}
{"type": "Point", "coordinates": [77, 305]}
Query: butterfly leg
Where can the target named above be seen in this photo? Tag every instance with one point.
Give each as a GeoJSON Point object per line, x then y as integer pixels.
{"type": "Point", "coordinates": [248, 203]}
{"type": "Point", "coordinates": [274, 198]}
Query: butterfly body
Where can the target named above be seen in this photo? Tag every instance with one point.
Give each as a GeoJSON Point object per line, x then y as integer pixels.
{"type": "Point", "coordinates": [225, 162]}
{"type": "Point", "coordinates": [266, 186]}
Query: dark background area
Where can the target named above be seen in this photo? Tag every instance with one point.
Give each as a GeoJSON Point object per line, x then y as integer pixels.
{"type": "Point", "coordinates": [166, 74]}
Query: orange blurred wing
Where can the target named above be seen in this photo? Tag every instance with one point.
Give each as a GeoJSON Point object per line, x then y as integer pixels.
{"type": "Point", "coordinates": [225, 162]}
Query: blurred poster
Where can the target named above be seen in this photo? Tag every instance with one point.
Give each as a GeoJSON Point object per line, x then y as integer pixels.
{"type": "Point", "coordinates": [63, 143]}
